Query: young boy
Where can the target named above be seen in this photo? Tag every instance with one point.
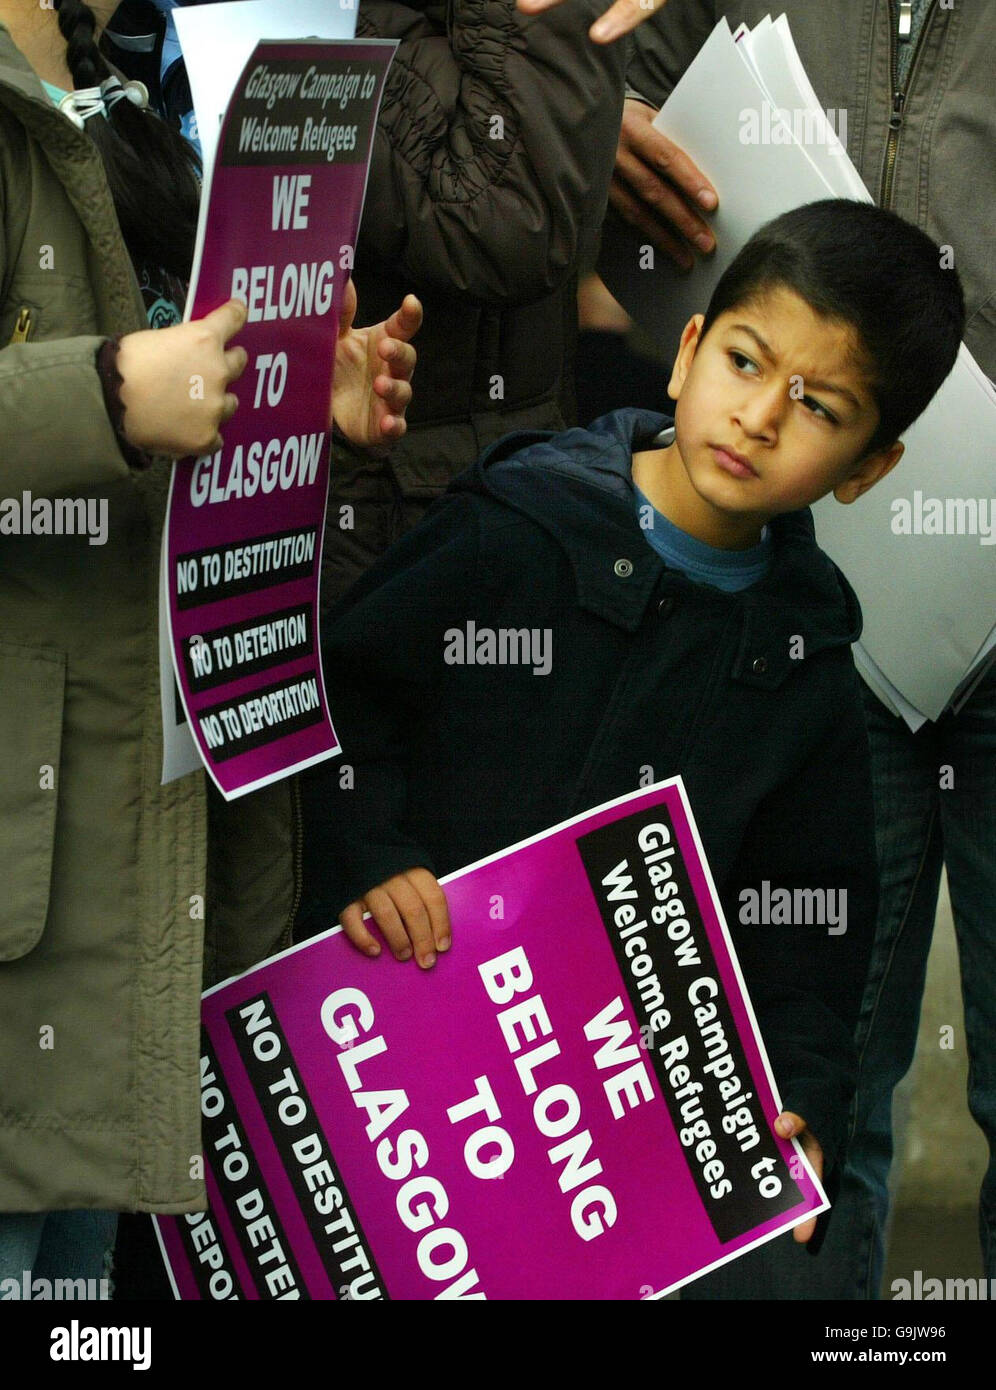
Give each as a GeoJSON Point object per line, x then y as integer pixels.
{"type": "Point", "coordinates": [587, 613]}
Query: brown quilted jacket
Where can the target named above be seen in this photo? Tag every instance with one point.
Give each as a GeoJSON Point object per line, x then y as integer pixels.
{"type": "Point", "coordinates": [488, 186]}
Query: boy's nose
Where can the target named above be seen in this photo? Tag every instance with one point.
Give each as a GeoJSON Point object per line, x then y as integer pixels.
{"type": "Point", "coordinates": [760, 415]}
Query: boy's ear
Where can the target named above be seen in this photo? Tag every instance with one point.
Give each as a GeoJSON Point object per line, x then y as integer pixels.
{"type": "Point", "coordinates": [686, 351]}
{"type": "Point", "coordinates": [868, 472]}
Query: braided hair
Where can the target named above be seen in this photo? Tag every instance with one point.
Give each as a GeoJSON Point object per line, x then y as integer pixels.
{"type": "Point", "coordinates": [151, 170]}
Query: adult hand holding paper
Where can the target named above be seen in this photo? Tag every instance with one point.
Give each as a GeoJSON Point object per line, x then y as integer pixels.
{"type": "Point", "coordinates": [755, 180]}
{"type": "Point", "coordinates": [656, 188]}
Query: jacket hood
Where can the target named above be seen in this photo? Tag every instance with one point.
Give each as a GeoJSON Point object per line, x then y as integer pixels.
{"type": "Point", "coordinates": [578, 486]}
{"type": "Point", "coordinates": [16, 73]}
{"type": "Point", "coordinates": [21, 92]}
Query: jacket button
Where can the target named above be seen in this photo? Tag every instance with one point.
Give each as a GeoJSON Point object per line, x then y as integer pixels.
{"type": "Point", "coordinates": [760, 665]}
{"type": "Point", "coordinates": [666, 607]}
{"type": "Point", "coordinates": [623, 568]}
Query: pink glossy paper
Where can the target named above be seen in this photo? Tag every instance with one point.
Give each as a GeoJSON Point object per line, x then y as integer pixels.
{"type": "Point", "coordinates": [244, 537]}
{"type": "Point", "coordinates": [541, 1116]}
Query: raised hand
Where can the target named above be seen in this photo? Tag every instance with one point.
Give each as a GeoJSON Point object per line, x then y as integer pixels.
{"type": "Point", "coordinates": [373, 371]}
{"type": "Point", "coordinates": [620, 19]}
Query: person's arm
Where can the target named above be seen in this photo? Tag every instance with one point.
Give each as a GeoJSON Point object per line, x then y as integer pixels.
{"type": "Point", "coordinates": [662, 50]}
{"type": "Point", "coordinates": [806, 981]}
{"type": "Point", "coordinates": [382, 654]}
{"type": "Point", "coordinates": [154, 369]}
{"type": "Point", "coordinates": [655, 187]}
{"type": "Point", "coordinates": [56, 451]}
{"type": "Point", "coordinates": [494, 147]}
{"type": "Point", "coordinates": [58, 434]}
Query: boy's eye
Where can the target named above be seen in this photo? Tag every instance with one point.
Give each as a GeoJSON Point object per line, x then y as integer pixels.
{"type": "Point", "coordinates": [741, 361]}
{"type": "Point", "coordinates": [818, 410]}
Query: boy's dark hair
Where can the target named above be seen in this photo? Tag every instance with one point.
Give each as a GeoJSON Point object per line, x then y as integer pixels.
{"type": "Point", "coordinates": [865, 266]}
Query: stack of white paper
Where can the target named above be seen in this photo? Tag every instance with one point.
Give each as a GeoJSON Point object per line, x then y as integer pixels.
{"type": "Point", "coordinates": [746, 113]}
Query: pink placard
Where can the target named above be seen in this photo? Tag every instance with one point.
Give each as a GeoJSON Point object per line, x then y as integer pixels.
{"type": "Point", "coordinates": [574, 1103]}
{"type": "Point", "coordinates": [245, 524]}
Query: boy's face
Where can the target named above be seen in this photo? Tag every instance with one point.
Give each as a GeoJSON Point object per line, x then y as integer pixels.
{"type": "Point", "coordinates": [774, 411]}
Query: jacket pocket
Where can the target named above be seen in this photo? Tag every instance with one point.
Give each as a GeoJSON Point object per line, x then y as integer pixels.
{"type": "Point", "coordinates": [32, 692]}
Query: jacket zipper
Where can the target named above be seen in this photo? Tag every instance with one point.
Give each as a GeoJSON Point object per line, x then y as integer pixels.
{"type": "Point", "coordinates": [22, 327]}
{"type": "Point", "coordinates": [899, 95]}
{"type": "Point", "coordinates": [297, 835]}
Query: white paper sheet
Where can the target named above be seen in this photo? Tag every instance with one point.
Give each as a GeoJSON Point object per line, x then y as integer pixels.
{"type": "Point", "coordinates": [789, 88]}
{"type": "Point", "coordinates": [929, 601]}
{"type": "Point", "coordinates": [886, 692]}
{"type": "Point", "coordinates": [180, 754]}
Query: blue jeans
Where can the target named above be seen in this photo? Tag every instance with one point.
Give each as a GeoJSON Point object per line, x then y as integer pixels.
{"type": "Point", "coordinates": [920, 825]}
{"type": "Point", "coordinates": [56, 1246]}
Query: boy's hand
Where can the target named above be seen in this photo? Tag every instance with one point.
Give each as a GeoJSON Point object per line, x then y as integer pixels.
{"type": "Point", "coordinates": [410, 909]}
{"type": "Point", "coordinates": [373, 372]}
{"type": "Point", "coordinates": [791, 1126]}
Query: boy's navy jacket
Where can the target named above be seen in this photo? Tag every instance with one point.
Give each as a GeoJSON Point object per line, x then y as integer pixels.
{"type": "Point", "coordinates": [752, 697]}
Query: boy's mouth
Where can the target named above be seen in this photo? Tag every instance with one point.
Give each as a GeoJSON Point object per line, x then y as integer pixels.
{"type": "Point", "coordinates": [732, 462]}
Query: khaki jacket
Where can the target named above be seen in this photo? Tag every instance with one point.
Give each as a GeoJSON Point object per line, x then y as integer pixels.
{"type": "Point", "coordinates": [106, 880]}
